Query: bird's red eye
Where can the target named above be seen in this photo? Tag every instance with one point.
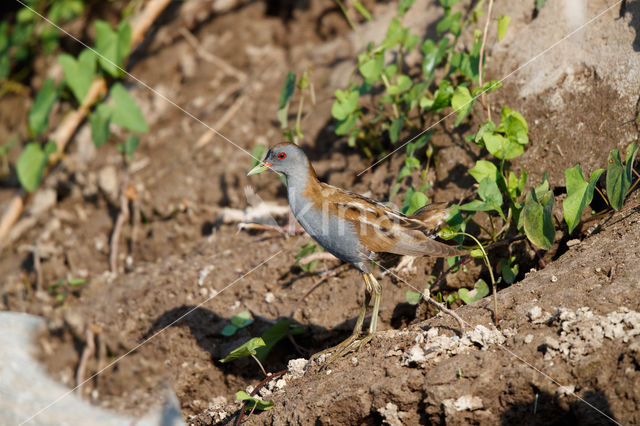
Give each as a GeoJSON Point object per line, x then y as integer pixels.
{"type": "Point", "coordinates": [282, 155]}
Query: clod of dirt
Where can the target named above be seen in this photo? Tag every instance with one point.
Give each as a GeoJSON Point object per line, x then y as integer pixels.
{"type": "Point", "coordinates": [432, 347]}
{"type": "Point", "coordinates": [582, 332]}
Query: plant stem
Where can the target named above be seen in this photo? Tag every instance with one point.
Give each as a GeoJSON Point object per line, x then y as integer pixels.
{"type": "Point", "coordinates": [346, 15]}
{"type": "Point", "coordinates": [260, 364]}
{"type": "Point", "coordinates": [493, 281]}
{"type": "Point", "coordinates": [481, 62]}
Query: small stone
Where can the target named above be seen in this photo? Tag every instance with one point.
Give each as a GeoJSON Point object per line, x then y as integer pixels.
{"type": "Point", "coordinates": [572, 243]}
{"type": "Point", "coordinates": [204, 273]}
{"type": "Point", "coordinates": [554, 279]}
{"type": "Point", "coordinates": [269, 297]}
{"type": "Point", "coordinates": [108, 182]}
{"type": "Point", "coordinates": [297, 366]}
{"type": "Point", "coordinates": [534, 313]}
{"type": "Point", "coordinates": [468, 403]}
{"type": "Point", "coordinates": [43, 200]}
{"type": "Point", "coordinates": [528, 338]}
{"type": "Point", "coordinates": [565, 390]}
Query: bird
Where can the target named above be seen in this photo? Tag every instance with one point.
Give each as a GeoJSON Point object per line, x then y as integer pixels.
{"type": "Point", "coordinates": [354, 228]}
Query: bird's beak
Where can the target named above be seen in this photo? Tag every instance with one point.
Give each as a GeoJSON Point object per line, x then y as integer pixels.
{"type": "Point", "coordinates": [261, 167]}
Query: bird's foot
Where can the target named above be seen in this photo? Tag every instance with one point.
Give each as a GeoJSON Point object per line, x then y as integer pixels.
{"type": "Point", "coordinates": [353, 343]}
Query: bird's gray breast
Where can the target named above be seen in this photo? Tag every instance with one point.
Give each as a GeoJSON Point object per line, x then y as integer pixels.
{"type": "Point", "coordinates": [337, 236]}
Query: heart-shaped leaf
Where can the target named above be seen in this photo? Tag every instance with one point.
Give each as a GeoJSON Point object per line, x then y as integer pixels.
{"type": "Point", "coordinates": [253, 402]}
{"type": "Point", "coordinates": [579, 194]}
{"type": "Point", "coordinates": [113, 45]}
{"type": "Point", "coordinates": [78, 74]}
{"type": "Point", "coordinates": [246, 349]}
{"type": "Point", "coordinates": [480, 290]}
{"type": "Point", "coordinates": [100, 119]}
{"type": "Point", "coordinates": [31, 164]}
{"type": "Point", "coordinates": [537, 216]}
{"type": "Point", "coordinates": [126, 112]}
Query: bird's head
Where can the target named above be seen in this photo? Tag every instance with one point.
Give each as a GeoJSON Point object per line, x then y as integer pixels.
{"type": "Point", "coordinates": [286, 158]}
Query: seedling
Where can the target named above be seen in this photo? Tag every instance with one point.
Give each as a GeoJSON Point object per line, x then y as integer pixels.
{"type": "Point", "coordinates": [64, 286]}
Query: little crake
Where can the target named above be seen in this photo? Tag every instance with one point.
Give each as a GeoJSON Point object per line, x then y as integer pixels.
{"type": "Point", "coordinates": [353, 228]}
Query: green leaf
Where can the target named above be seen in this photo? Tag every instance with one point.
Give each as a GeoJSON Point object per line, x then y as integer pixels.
{"type": "Point", "coordinates": [579, 194]}
{"type": "Point", "coordinates": [75, 282]}
{"type": "Point", "coordinates": [396, 128]}
{"type": "Point", "coordinates": [273, 335]}
{"type": "Point", "coordinates": [618, 182]}
{"type": "Point", "coordinates": [258, 403]}
{"type": "Point", "coordinates": [39, 113]}
{"type": "Point", "coordinates": [344, 126]}
{"type": "Point", "coordinates": [305, 251]}
{"type": "Point", "coordinates": [79, 74]}
{"type": "Point", "coordinates": [363, 11]}
{"type": "Point", "coordinates": [129, 146]}
{"type": "Point", "coordinates": [476, 253]}
{"type": "Point", "coordinates": [509, 273]}
{"type": "Point", "coordinates": [346, 104]}
{"type": "Point", "coordinates": [480, 290]}
{"type": "Point", "coordinates": [419, 143]}
{"type": "Point", "coordinates": [257, 154]}
{"type": "Point", "coordinates": [442, 97]}
{"type": "Point", "coordinates": [113, 45]}
{"type": "Point", "coordinates": [371, 66]}
{"type": "Point", "coordinates": [448, 4]}
{"type": "Point", "coordinates": [403, 84]}
{"type": "Point", "coordinates": [5, 65]}
{"type": "Point", "coordinates": [412, 163]}
{"type": "Point", "coordinates": [461, 102]}
{"type": "Point", "coordinates": [539, 4]}
{"type": "Point", "coordinates": [229, 330]}
{"type": "Point", "coordinates": [514, 126]}
{"type": "Point", "coordinates": [491, 197]}
{"type": "Point", "coordinates": [447, 233]}
{"type": "Point", "coordinates": [126, 112]}
{"type": "Point", "coordinates": [433, 55]}
{"type": "Point", "coordinates": [404, 6]}
{"type": "Point", "coordinates": [100, 119]}
{"type": "Point", "coordinates": [246, 349]}
{"type": "Point", "coordinates": [31, 164]}
{"type": "Point", "coordinates": [501, 147]}
{"type": "Point", "coordinates": [537, 216]}
{"type": "Point", "coordinates": [484, 169]}
{"type": "Point", "coordinates": [450, 22]}
{"type": "Point", "coordinates": [242, 320]}
{"type": "Point", "coordinates": [413, 297]}
{"type": "Point", "coordinates": [515, 186]}
{"type": "Point", "coordinates": [466, 65]}
{"type": "Point", "coordinates": [418, 200]}
{"type": "Point", "coordinates": [503, 24]}
{"type": "Point", "coordinates": [287, 89]}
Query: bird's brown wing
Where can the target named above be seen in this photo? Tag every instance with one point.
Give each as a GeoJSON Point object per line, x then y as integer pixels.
{"type": "Point", "coordinates": [384, 230]}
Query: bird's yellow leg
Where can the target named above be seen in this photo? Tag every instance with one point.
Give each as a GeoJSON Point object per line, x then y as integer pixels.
{"type": "Point", "coordinates": [377, 298]}
{"type": "Point", "coordinates": [344, 347]}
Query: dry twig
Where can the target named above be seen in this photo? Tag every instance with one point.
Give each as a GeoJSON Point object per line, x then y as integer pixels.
{"type": "Point", "coordinates": [87, 353]}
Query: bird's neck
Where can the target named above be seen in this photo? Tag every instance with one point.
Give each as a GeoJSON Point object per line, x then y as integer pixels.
{"type": "Point", "coordinates": [300, 183]}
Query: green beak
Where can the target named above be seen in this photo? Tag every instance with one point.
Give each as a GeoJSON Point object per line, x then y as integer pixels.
{"type": "Point", "coordinates": [261, 167]}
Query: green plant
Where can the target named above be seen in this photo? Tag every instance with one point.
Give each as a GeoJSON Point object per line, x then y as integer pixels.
{"type": "Point", "coordinates": [27, 34]}
{"type": "Point", "coordinates": [64, 286]}
{"type": "Point", "coordinates": [242, 320]}
{"type": "Point", "coordinates": [120, 108]}
{"type": "Point", "coordinates": [259, 348]}
{"type": "Point", "coordinates": [305, 251]}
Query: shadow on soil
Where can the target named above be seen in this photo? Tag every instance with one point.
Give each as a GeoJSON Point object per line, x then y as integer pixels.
{"type": "Point", "coordinates": [544, 408]}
